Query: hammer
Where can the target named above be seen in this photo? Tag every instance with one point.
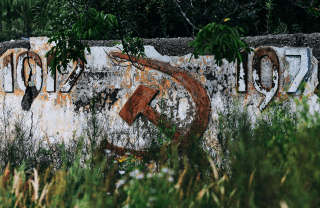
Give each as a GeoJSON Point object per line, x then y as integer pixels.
{"type": "Point", "coordinates": [139, 103]}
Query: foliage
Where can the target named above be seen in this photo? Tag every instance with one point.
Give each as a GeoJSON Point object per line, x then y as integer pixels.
{"type": "Point", "coordinates": [273, 161]}
{"type": "Point", "coordinates": [55, 17]}
{"type": "Point", "coordinates": [68, 22]}
{"type": "Point", "coordinates": [268, 158]}
{"type": "Point", "coordinates": [24, 18]}
{"type": "Point", "coordinates": [70, 28]}
{"type": "Point", "coordinates": [162, 18]}
{"type": "Point", "coordinates": [221, 41]}
{"type": "Point", "coordinates": [83, 20]}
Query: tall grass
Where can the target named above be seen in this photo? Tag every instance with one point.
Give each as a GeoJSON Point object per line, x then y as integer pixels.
{"type": "Point", "coordinates": [273, 161]}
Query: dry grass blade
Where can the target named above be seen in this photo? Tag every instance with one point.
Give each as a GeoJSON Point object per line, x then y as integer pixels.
{"type": "Point", "coordinates": [232, 193]}
{"type": "Point", "coordinates": [251, 178]}
{"type": "Point", "coordinates": [283, 204]}
{"type": "Point", "coordinates": [16, 182]}
{"type": "Point", "coordinates": [203, 191]}
{"type": "Point", "coordinates": [222, 191]}
{"type": "Point", "coordinates": [44, 192]}
{"type": "Point", "coordinates": [18, 199]}
{"type": "Point", "coordinates": [284, 177]}
{"type": "Point", "coordinates": [215, 198]}
{"type": "Point", "coordinates": [35, 184]}
{"type": "Point", "coordinates": [214, 169]}
{"type": "Point", "coordinates": [177, 186]}
{"type": "Point", "coordinates": [6, 176]}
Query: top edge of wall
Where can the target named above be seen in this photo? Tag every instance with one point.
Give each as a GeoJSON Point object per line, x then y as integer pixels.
{"type": "Point", "coordinates": [4, 46]}
{"type": "Point", "coordinates": [179, 46]}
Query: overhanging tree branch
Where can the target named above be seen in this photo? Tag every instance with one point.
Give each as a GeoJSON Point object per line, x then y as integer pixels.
{"type": "Point", "coordinates": [185, 16]}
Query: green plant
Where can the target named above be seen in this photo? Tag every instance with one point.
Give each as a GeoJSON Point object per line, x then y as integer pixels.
{"type": "Point", "coordinates": [270, 161]}
{"type": "Point", "coordinates": [273, 161]}
{"type": "Point", "coordinates": [269, 6]}
{"type": "Point", "coordinates": [282, 28]}
{"type": "Point", "coordinates": [68, 41]}
{"type": "Point", "coordinates": [221, 41]}
{"type": "Point", "coordinates": [128, 163]}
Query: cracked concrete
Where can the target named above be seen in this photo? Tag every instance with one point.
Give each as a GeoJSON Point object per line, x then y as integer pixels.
{"type": "Point", "coordinates": [64, 101]}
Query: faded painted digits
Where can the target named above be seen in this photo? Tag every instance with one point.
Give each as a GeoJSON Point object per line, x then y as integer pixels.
{"type": "Point", "coordinates": [133, 107]}
{"type": "Point", "coordinates": [32, 85]}
{"type": "Point", "coordinates": [269, 92]}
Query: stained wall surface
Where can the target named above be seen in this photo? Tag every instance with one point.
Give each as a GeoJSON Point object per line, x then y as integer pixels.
{"type": "Point", "coordinates": [130, 99]}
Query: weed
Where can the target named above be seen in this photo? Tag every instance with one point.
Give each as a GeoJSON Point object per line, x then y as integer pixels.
{"type": "Point", "coordinates": [270, 161]}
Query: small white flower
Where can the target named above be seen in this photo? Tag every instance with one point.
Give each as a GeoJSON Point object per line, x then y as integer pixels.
{"type": "Point", "coordinates": [171, 172]}
{"type": "Point", "coordinates": [108, 193]}
{"type": "Point", "coordinates": [128, 153]}
{"type": "Point", "coordinates": [165, 170]}
{"type": "Point", "coordinates": [133, 173]}
{"type": "Point", "coordinates": [140, 176]}
{"type": "Point", "coordinates": [120, 183]}
{"type": "Point", "coordinates": [132, 182]}
{"type": "Point", "coordinates": [122, 172]}
{"type": "Point", "coordinates": [151, 199]}
{"type": "Point", "coordinates": [170, 179]}
{"type": "Point", "coordinates": [149, 175]}
{"type": "Point", "coordinates": [152, 190]}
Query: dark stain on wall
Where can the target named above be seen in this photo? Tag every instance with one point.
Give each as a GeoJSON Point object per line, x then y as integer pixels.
{"type": "Point", "coordinates": [103, 99]}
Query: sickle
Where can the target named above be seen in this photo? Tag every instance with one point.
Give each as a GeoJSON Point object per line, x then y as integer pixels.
{"type": "Point", "coordinates": [198, 94]}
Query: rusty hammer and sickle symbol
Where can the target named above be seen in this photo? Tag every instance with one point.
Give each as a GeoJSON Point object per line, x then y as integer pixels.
{"type": "Point", "coordinates": [134, 106]}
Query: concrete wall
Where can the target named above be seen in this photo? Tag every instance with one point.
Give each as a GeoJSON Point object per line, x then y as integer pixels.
{"type": "Point", "coordinates": [130, 100]}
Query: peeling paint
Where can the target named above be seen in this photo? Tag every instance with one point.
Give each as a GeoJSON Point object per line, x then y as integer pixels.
{"type": "Point", "coordinates": [189, 92]}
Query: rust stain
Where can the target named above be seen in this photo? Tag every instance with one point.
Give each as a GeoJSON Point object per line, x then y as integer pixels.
{"type": "Point", "coordinates": [32, 55]}
{"type": "Point", "coordinates": [63, 98]}
{"type": "Point", "coordinates": [44, 97]}
{"type": "Point", "coordinates": [138, 103]}
{"type": "Point", "coordinates": [8, 59]}
{"type": "Point", "coordinates": [18, 92]}
{"type": "Point", "coordinates": [198, 94]}
{"type": "Point", "coordinates": [127, 78]}
{"type": "Point", "coordinates": [143, 77]}
{"type": "Point", "coordinates": [35, 57]}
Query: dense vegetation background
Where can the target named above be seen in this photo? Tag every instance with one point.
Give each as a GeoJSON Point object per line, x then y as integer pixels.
{"type": "Point", "coordinates": [164, 18]}
{"type": "Point", "coordinates": [274, 162]}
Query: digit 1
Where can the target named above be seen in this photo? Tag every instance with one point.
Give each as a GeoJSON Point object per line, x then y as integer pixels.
{"type": "Point", "coordinates": [242, 73]}
{"type": "Point", "coordinates": [304, 66]}
{"type": "Point", "coordinates": [8, 73]}
{"type": "Point", "coordinates": [256, 66]}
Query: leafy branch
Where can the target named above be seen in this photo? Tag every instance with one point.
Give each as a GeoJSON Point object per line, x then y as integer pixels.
{"type": "Point", "coordinates": [81, 22]}
{"type": "Point", "coordinates": [221, 41]}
